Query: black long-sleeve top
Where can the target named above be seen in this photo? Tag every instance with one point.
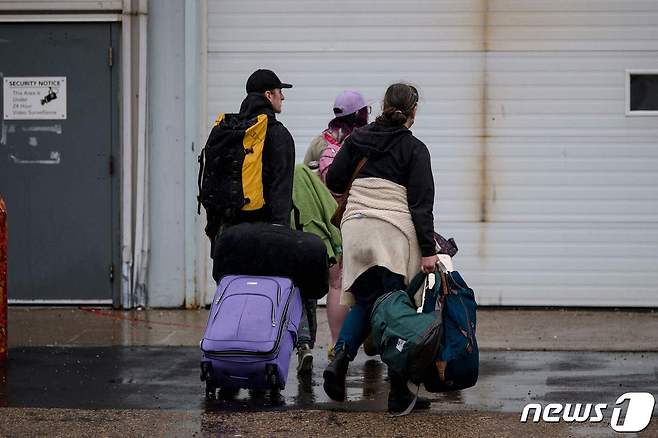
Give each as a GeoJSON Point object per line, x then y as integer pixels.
{"type": "Point", "coordinates": [396, 155]}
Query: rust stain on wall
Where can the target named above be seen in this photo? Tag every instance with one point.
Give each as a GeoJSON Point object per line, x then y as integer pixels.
{"type": "Point", "coordinates": [484, 131]}
{"type": "Point", "coordinates": [485, 116]}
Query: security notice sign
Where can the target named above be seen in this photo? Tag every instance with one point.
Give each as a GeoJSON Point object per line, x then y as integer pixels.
{"type": "Point", "coordinates": [34, 98]}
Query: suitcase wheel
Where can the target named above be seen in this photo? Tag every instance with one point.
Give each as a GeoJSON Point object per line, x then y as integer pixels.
{"type": "Point", "coordinates": [272, 377]}
{"type": "Point", "coordinates": [206, 371]}
{"type": "Point", "coordinates": [273, 381]}
{"type": "Point", "coordinates": [211, 391]}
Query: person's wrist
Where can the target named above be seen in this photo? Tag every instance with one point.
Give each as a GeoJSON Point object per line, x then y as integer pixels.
{"type": "Point", "coordinates": [428, 251]}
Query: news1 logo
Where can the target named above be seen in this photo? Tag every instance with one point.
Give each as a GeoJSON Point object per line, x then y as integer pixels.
{"type": "Point", "coordinates": [637, 418]}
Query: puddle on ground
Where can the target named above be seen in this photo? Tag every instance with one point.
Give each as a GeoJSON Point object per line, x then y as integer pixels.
{"type": "Point", "coordinates": [168, 378]}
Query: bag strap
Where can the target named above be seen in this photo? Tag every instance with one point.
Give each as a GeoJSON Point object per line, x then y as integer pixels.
{"type": "Point", "coordinates": [296, 215]}
{"type": "Point", "coordinates": [430, 281]}
{"type": "Point", "coordinates": [444, 284]}
{"type": "Point", "coordinates": [359, 166]}
{"type": "Point", "coordinates": [411, 405]}
{"type": "Point", "coordinates": [416, 283]}
{"type": "Point", "coordinates": [201, 160]}
{"type": "Point", "coordinates": [443, 275]}
{"type": "Point", "coordinates": [330, 140]}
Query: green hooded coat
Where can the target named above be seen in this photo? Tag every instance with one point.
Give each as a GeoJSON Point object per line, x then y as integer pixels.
{"type": "Point", "coordinates": [316, 206]}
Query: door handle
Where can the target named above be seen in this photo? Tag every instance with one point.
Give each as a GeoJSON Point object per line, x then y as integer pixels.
{"type": "Point", "coordinates": [55, 158]}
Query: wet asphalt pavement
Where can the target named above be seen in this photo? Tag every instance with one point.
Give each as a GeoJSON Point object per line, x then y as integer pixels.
{"type": "Point", "coordinates": [97, 372]}
{"type": "Point", "coordinates": [167, 378]}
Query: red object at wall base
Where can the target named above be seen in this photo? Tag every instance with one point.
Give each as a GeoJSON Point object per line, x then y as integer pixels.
{"type": "Point", "coordinates": [3, 282]}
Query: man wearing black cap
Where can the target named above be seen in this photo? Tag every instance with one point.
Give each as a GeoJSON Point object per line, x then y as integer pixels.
{"type": "Point", "coordinates": [265, 96]}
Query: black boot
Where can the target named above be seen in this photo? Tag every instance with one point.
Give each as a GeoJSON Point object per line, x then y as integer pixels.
{"type": "Point", "coordinates": [334, 376]}
{"type": "Point", "coordinates": [399, 398]}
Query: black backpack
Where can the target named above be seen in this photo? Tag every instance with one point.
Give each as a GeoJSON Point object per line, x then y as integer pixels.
{"type": "Point", "coordinates": [231, 170]}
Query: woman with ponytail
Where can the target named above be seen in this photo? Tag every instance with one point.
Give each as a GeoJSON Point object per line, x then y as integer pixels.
{"type": "Point", "coordinates": [387, 227]}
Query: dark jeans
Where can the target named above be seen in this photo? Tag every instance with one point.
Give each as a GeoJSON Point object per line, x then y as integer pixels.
{"type": "Point", "coordinates": [370, 285]}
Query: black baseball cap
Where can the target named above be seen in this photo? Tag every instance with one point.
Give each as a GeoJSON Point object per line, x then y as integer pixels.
{"type": "Point", "coordinates": [262, 80]}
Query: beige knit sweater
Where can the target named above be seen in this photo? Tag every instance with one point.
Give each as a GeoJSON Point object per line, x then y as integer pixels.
{"type": "Point", "coordinates": [378, 230]}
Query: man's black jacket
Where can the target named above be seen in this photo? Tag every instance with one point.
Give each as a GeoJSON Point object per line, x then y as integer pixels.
{"type": "Point", "coordinates": [278, 164]}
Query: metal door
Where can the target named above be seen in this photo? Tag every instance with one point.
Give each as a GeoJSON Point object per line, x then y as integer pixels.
{"type": "Point", "coordinates": [56, 159]}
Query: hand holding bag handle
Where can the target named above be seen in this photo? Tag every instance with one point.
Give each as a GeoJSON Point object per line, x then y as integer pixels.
{"type": "Point", "coordinates": [342, 201]}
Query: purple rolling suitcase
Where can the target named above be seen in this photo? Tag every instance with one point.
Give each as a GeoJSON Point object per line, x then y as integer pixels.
{"type": "Point", "coordinates": [251, 332]}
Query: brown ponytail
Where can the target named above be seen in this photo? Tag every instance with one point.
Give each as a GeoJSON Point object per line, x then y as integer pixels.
{"type": "Point", "coordinates": [399, 103]}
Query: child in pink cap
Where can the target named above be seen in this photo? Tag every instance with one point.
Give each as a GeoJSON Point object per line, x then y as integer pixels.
{"type": "Point", "coordinates": [350, 112]}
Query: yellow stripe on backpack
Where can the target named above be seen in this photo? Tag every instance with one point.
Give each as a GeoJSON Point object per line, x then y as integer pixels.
{"type": "Point", "coordinates": [218, 120]}
{"type": "Point", "coordinates": [252, 168]}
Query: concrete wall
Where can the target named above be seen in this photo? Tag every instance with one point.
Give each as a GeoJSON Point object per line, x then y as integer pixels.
{"type": "Point", "coordinates": [166, 134]}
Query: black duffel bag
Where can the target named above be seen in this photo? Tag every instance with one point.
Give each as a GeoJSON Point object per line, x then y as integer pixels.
{"type": "Point", "coordinates": [273, 250]}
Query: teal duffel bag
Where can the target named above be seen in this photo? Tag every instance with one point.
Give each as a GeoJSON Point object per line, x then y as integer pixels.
{"type": "Point", "coordinates": [407, 341]}
{"type": "Point", "coordinates": [436, 347]}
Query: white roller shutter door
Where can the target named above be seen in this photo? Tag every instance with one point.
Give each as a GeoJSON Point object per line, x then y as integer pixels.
{"type": "Point", "coordinates": [550, 191]}
{"type": "Point", "coordinates": [572, 183]}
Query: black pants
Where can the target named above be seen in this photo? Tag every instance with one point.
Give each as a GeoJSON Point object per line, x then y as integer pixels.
{"type": "Point", "coordinates": [308, 325]}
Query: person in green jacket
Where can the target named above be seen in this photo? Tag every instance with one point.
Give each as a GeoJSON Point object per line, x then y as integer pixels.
{"type": "Point", "coordinates": [313, 206]}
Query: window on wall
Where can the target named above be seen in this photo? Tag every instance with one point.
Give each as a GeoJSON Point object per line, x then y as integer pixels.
{"type": "Point", "coordinates": [642, 93]}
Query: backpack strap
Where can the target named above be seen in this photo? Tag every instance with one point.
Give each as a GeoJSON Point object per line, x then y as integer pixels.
{"type": "Point", "coordinates": [331, 141]}
{"type": "Point", "coordinates": [296, 215]}
{"type": "Point", "coordinates": [202, 164]}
